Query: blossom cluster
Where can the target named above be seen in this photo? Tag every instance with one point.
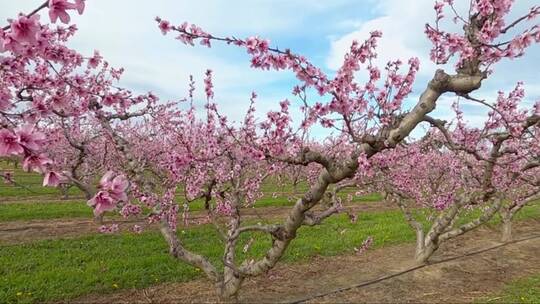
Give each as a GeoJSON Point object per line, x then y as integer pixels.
{"type": "Point", "coordinates": [112, 190]}
{"type": "Point", "coordinates": [485, 36]}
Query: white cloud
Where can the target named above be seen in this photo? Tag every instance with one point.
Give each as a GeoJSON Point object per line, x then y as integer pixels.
{"type": "Point", "coordinates": [402, 24]}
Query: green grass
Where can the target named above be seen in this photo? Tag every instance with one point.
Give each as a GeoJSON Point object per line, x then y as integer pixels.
{"type": "Point", "coordinates": [63, 269]}
{"type": "Point", "coordinates": [66, 268]}
{"type": "Point", "coordinates": [33, 188]}
{"type": "Point", "coordinates": [44, 210]}
{"type": "Point", "coordinates": [198, 205]}
{"type": "Point", "coordinates": [55, 209]}
{"type": "Point", "coordinates": [525, 290]}
{"type": "Point", "coordinates": [31, 181]}
{"type": "Point", "coordinates": [60, 269]}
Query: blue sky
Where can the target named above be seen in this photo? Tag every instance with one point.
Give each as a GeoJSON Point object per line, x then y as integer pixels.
{"type": "Point", "coordinates": [125, 33]}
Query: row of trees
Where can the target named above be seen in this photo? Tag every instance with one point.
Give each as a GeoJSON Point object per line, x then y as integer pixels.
{"type": "Point", "coordinates": [64, 116]}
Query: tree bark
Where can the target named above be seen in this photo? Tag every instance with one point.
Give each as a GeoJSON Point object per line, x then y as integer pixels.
{"type": "Point", "coordinates": [229, 288]}
{"type": "Point", "coordinates": [442, 231]}
{"type": "Point", "coordinates": [484, 218]}
{"type": "Point", "coordinates": [64, 189]}
{"type": "Point", "coordinates": [425, 252]}
{"type": "Point", "coordinates": [178, 251]}
{"type": "Point", "coordinates": [506, 217]}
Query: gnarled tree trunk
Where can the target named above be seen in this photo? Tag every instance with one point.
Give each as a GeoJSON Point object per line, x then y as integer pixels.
{"type": "Point", "coordinates": [228, 289]}
{"type": "Point", "coordinates": [423, 254]}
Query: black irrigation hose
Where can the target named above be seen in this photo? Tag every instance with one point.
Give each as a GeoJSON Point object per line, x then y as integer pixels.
{"type": "Point", "coordinates": [390, 276]}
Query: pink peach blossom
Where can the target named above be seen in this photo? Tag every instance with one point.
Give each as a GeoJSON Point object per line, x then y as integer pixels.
{"type": "Point", "coordinates": [58, 9]}
{"type": "Point", "coordinates": [51, 179]}
{"type": "Point", "coordinates": [101, 203]}
{"type": "Point", "coordinates": [36, 163]}
{"type": "Point", "coordinates": [25, 29]}
{"type": "Point", "coordinates": [9, 144]}
{"type": "Point", "coordinates": [30, 138]}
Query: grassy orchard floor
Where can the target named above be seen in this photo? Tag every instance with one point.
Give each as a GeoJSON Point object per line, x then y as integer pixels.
{"type": "Point", "coordinates": [57, 209]}
{"type": "Point", "coordinates": [64, 269]}
{"type": "Point", "coordinates": [467, 279]}
{"type": "Point", "coordinates": [525, 290]}
{"type": "Point", "coordinates": [44, 203]}
{"type": "Point", "coordinates": [29, 184]}
{"type": "Point", "coordinates": [44, 210]}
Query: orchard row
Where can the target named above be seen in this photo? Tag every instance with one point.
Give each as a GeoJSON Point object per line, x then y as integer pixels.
{"type": "Point", "coordinates": [63, 114]}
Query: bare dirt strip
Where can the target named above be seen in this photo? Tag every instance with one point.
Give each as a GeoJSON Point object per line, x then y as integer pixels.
{"type": "Point", "coordinates": [14, 232]}
{"type": "Point", "coordinates": [464, 280]}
